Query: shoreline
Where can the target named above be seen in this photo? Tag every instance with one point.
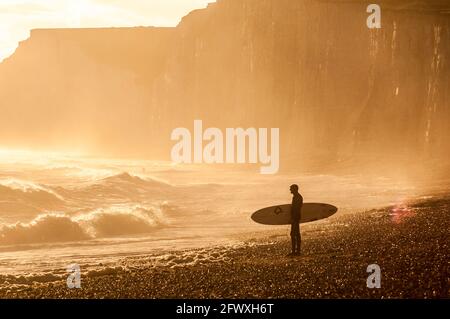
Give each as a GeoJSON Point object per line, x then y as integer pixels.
{"type": "Point", "coordinates": [410, 244]}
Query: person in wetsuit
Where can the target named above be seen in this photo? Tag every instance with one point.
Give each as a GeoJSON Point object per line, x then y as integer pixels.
{"type": "Point", "coordinates": [296, 208]}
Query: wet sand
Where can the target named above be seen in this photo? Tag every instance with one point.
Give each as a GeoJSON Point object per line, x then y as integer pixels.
{"type": "Point", "coordinates": [411, 244]}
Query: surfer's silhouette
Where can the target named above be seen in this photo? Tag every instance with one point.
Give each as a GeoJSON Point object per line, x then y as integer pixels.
{"type": "Point", "coordinates": [296, 208]}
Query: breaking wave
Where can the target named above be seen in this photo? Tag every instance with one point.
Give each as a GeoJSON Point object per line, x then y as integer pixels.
{"type": "Point", "coordinates": [126, 186]}
{"type": "Point", "coordinates": [105, 222]}
{"type": "Point", "coordinates": [18, 189]}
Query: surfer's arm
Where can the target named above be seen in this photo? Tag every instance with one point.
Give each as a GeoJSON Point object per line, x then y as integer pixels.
{"type": "Point", "coordinates": [295, 207]}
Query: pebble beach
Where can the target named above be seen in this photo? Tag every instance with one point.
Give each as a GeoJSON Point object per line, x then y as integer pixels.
{"type": "Point", "coordinates": [410, 244]}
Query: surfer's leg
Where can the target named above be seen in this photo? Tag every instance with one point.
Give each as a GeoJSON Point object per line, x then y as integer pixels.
{"type": "Point", "coordinates": [293, 239]}
{"type": "Point", "coordinates": [299, 241]}
{"type": "Point", "coordinates": [293, 244]}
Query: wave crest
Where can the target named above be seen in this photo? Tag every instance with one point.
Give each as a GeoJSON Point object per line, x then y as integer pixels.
{"type": "Point", "coordinates": [121, 220]}
{"type": "Point", "coordinates": [19, 189]}
{"type": "Point", "coordinates": [107, 222]}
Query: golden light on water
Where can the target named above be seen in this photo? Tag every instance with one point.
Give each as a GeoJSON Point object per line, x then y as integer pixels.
{"type": "Point", "coordinates": [99, 94]}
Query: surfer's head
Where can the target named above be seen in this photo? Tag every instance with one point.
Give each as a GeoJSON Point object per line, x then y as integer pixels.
{"type": "Point", "coordinates": [294, 188]}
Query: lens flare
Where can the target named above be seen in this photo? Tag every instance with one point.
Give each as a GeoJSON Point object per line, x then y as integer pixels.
{"type": "Point", "coordinates": [400, 212]}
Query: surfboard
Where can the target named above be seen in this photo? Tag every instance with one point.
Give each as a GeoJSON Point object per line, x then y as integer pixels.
{"type": "Point", "coordinates": [281, 214]}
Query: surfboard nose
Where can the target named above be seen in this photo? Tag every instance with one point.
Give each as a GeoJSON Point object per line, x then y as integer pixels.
{"type": "Point", "coordinates": [330, 210]}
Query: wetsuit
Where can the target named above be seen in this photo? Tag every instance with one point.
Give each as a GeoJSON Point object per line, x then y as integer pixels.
{"type": "Point", "coordinates": [297, 203]}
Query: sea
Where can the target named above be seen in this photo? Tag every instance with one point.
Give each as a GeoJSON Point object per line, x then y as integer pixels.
{"type": "Point", "coordinates": [59, 209]}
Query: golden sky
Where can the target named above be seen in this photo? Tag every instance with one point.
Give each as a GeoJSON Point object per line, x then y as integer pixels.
{"type": "Point", "coordinates": [18, 17]}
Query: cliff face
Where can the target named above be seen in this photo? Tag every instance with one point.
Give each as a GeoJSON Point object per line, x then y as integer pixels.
{"type": "Point", "coordinates": [337, 89]}
{"type": "Point", "coordinates": [77, 87]}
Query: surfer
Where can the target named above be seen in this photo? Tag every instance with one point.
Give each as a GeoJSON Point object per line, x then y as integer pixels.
{"type": "Point", "coordinates": [296, 207]}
